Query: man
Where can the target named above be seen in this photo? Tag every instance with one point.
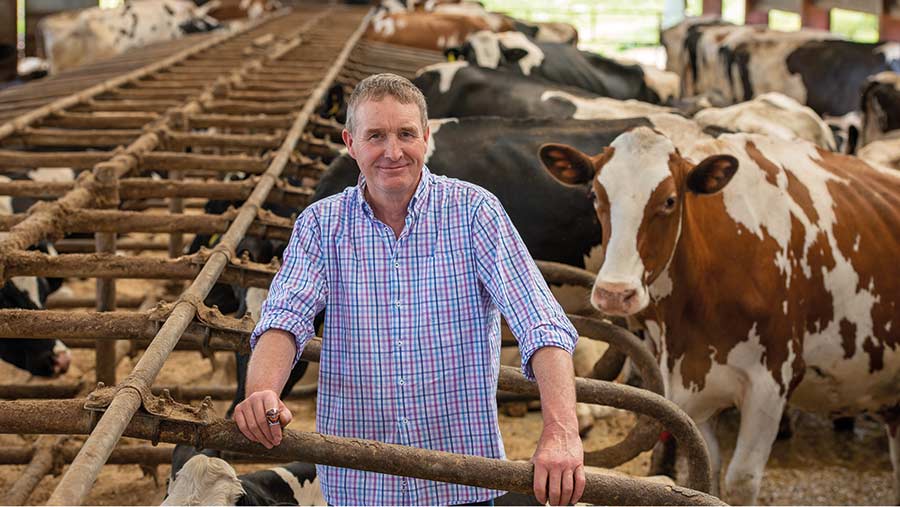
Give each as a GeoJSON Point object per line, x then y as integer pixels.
{"type": "Point", "coordinates": [415, 270]}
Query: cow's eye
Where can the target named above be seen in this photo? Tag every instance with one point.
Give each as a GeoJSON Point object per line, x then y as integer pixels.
{"type": "Point", "coordinates": [669, 205]}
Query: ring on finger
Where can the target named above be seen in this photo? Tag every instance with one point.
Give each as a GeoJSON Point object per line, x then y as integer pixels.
{"type": "Point", "coordinates": [272, 417]}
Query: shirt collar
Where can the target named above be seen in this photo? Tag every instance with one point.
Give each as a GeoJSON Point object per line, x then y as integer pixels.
{"type": "Point", "coordinates": [416, 204]}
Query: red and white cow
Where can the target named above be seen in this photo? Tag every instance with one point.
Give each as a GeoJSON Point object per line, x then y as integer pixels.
{"type": "Point", "coordinates": [765, 272]}
{"type": "Point", "coordinates": [424, 30]}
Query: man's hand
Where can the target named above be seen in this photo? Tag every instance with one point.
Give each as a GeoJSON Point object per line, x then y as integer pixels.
{"type": "Point", "coordinates": [559, 466]}
{"type": "Point", "coordinates": [250, 416]}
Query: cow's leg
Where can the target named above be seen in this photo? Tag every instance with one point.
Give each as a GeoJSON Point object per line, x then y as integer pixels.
{"type": "Point", "coordinates": [894, 442]}
{"type": "Point", "coordinates": [708, 430]}
{"type": "Point", "coordinates": [760, 414]}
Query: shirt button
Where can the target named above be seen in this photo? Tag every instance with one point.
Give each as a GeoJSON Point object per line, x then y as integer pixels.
{"type": "Point", "coordinates": [399, 343]}
{"type": "Point", "coordinates": [401, 381]}
{"type": "Point", "coordinates": [397, 303]}
{"type": "Point", "coordinates": [396, 265]}
{"type": "Point", "coordinates": [404, 420]}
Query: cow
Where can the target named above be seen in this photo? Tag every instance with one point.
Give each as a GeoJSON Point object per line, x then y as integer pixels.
{"type": "Point", "coordinates": [562, 64]}
{"type": "Point", "coordinates": [423, 30]}
{"type": "Point", "coordinates": [884, 152]}
{"type": "Point", "coordinates": [771, 114]}
{"type": "Point", "coordinates": [763, 271]}
{"type": "Point", "coordinates": [44, 357]}
{"type": "Point", "coordinates": [680, 42]}
{"type": "Point", "coordinates": [880, 106]}
{"type": "Point", "coordinates": [226, 10]}
{"type": "Point", "coordinates": [70, 39]}
{"type": "Point", "coordinates": [199, 479]}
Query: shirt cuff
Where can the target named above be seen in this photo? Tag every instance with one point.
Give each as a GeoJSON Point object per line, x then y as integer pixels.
{"type": "Point", "coordinates": [545, 336]}
{"type": "Point", "coordinates": [284, 321]}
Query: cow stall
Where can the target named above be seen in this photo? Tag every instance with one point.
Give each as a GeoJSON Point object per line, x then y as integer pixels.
{"type": "Point", "coordinates": [152, 143]}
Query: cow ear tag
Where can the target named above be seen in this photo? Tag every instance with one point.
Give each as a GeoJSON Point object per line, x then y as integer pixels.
{"type": "Point", "coordinates": [567, 164]}
{"type": "Point", "coordinates": [712, 174]}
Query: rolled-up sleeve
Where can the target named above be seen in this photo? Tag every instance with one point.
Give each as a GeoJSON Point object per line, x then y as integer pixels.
{"type": "Point", "coordinates": [516, 286]}
{"type": "Point", "coordinates": [298, 291]}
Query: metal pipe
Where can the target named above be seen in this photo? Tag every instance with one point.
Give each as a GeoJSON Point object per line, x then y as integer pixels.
{"type": "Point", "coordinates": [77, 481]}
{"type": "Point", "coordinates": [105, 353]}
{"type": "Point", "coordinates": [185, 267]}
{"type": "Point", "coordinates": [69, 417]}
{"type": "Point", "coordinates": [40, 465]}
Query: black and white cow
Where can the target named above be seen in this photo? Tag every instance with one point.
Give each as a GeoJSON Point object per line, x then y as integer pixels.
{"type": "Point", "coordinates": [200, 479]}
{"type": "Point", "coordinates": [563, 64]}
{"type": "Point", "coordinates": [45, 357]}
{"type": "Point", "coordinates": [70, 39]}
{"type": "Point", "coordinates": [880, 107]}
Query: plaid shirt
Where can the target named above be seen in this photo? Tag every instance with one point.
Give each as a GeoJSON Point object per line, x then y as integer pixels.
{"type": "Point", "coordinates": [411, 345]}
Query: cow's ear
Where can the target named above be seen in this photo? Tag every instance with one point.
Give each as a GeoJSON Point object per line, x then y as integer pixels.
{"type": "Point", "coordinates": [567, 164]}
{"type": "Point", "coordinates": [712, 174]}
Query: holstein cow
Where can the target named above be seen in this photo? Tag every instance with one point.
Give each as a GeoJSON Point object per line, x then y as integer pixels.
{"type": "Point", "coordinates": [564, 64]}
{"type": "Point", "coordinates": [763, 270]}
{"type": "Point", "coordinates": [46, 357]}
{"type": "Point", "coordinates": [73, 39]}
{"type": "Point", "coordinates": [423, 30]}
{"type": "Point", "coordinates": [771, 114]}
{"type": "Point", "coordinates": [880, 107]}
{"type": "Point", "coordinates": [198, 479]}
{"type": "Point", "coordinates": [680, 42]}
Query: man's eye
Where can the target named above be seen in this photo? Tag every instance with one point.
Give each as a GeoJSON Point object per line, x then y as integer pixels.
{"type": "Point", "coordinates": [375, 136]}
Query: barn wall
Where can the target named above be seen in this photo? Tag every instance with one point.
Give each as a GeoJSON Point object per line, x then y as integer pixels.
{"type": "Point", "coordinates": [7, 40]}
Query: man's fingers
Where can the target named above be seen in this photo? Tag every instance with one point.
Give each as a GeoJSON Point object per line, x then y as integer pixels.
{"type": "Point", "coordinates": [554, 486]}
{"type": "Point", "coordinates": [286, 415]}
{"type": "Point", "coordinates": [567, 486]}
{"type": "Point", "coordinates": [579, 485]}
{"type": "Point", "coordinates": [242, 424]}
{"type": "Point", "coordinates": [259, 415]}
{"type": "Point", "coordinates": [540, 483]}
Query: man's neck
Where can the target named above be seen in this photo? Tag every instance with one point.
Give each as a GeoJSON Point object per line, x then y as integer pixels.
{"type": "Point", "coordinates": [389, 209]}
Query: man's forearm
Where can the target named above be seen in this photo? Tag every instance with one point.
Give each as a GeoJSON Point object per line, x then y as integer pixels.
{"type": "Point", "coordinates": [270, 364]}
{"type": "Point", "coordinates": [555, 376]}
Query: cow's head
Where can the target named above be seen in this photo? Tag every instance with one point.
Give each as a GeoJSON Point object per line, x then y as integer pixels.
{"type": "Point", "coordinates": [639, 185]}
{"type": "Point", "coordinates": [494, 50]}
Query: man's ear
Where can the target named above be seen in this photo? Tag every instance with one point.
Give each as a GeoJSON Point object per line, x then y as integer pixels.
{"type": "Point", "coordinates": [568, 165]}
{"type": "Point", "coordinates": [712, 174]}
{"type": "Point", "coordinates": [348, 141]}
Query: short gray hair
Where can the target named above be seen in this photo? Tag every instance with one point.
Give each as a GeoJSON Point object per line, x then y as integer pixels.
{"type": "Point", "coordinates": [377, 86]}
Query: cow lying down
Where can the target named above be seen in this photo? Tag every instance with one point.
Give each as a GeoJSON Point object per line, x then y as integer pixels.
{"type": "Point", "coordinates": [205, 480]}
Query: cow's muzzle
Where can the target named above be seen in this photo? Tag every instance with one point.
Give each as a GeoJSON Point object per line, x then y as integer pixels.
{"type": "Point", "coordinates": [619, 299]}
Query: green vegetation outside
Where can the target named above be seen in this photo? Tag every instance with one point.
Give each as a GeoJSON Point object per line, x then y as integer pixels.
{"type": "Point", "coordinates": [612, 27]}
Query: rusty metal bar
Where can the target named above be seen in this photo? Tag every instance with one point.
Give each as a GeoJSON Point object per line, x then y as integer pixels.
{"type": "Point", "coordinates": [40, 464]}
{"type": "Point", "coordinates": [105, 353]}
{"type": "Point", "coordinates": [179, 392]}
{"type": "Point", "coordinates": [121, 455]}
{"type": "Point", "coordinates": [245, 122]}
{"type": "Point", "coordinates": [69, 417]}
{"type": "Point", "coordinates": [57, 301]}
{"type": "Point", "coordinates": [98, 120]}
{"type": "Point", "coordinates": [20, 122]}
{"type": "Point", "coordinates": [272, 227]}
{"type": "Point", "coordinates": [82, 138]}
{"type": "Point", "coordinates": [74, 159]}
{"type": "Point", "coordinates": [86, 246]}
{"type": "Point", "coordinates": [259, 141]}
{"type": "Point", "coordinates": [168, 161]}
{"type": "Point", "coordinates": [186, 267]}
{"type": "Point", "coordinates": [83, 471]}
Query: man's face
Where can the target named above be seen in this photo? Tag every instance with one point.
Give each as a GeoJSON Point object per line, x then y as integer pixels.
{"type": "Point", "coordinates": [389, 146]}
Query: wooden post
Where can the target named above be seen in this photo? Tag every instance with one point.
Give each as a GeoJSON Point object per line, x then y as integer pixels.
{"type": "Point", "coordinates": [712, 7]}
{"type": "Point", "coordinates": [814, 17]}
{"type": "Point", "coordinates": [8, 55]}
{"type": "Point", "coordinates": [755, 15]}
{"type": "Point", "coordinates": [888, 26]}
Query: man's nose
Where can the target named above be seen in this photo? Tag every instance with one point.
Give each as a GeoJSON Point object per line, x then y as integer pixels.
{"type": "Point", "coordinates": [392, 151]}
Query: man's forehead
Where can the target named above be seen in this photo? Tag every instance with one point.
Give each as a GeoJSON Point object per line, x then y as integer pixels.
{"type": "Point", "coordinates": [388, 113]}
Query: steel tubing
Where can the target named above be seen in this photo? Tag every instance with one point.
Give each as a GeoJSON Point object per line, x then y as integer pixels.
{"type": "Point", "coordinates": [178, 392]}
{"type": "Point", "coordinates": [186, 267]}
{"type": "Point", "coordinates": [68, 417]}
{"type": "Point", "coordinates": [132, 221]}
{"type": "Point", "coordinates": [81, 475]}
{"type": "Point", "coordinates": [121, 455]}
{"type": "Point", "coordinates": [57, 301]}
{"type": "Point", "coordinates": [40, 464]}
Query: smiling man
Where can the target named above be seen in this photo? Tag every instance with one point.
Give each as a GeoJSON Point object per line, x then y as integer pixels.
{"type": "Point", "coordinates": [415, 270]}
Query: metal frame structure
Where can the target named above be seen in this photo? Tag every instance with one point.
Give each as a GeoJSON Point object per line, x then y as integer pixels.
{"type": "Point", "coordinates": [240, 101]}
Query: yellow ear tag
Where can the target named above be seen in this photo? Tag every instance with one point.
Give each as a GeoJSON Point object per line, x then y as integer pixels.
{"type": "Point", "coordinates": [334, 109]}
{"type": "Point", "coordinates": [451, 57]}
